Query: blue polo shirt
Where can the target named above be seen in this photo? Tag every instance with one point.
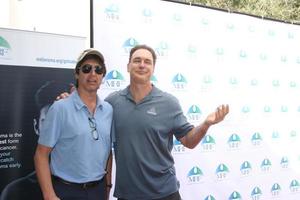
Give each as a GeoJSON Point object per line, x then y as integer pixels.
{"type": "Point", "coordinates": [143, 144]}
{"type": "Point", "coordinates": [76, 155]}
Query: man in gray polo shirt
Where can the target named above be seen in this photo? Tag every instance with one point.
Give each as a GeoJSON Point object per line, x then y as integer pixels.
{"type": "Point", "coordinates": [146, 119]}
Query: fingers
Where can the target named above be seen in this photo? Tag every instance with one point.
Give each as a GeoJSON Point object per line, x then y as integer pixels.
{"type": "Point", "coordinates": [222, 111]}
{"type": "Point", "coordinates": [62, 96]}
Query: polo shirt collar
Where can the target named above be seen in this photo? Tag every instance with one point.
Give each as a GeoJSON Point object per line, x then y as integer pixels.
{"type": "Point", "coordinates": [79, 103]}
{"type": "Point", "coordinates": [155, 92]}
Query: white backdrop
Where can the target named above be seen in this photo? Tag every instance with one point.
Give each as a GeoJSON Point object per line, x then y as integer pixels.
{"type": "Point", "coordinates": [206, 58]}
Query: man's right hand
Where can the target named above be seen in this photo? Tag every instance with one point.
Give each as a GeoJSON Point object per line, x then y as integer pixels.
{"type": "Point", "coordinates": [62, 96]}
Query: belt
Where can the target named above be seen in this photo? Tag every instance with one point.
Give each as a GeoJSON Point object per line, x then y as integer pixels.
{"type": "Point", "coordinates": [81, 185]}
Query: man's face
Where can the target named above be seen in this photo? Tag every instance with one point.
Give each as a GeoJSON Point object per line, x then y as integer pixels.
{"type": "Point", "coordinates": [141, 66]}
{"type": "Point", "coordinates": [88, 79]}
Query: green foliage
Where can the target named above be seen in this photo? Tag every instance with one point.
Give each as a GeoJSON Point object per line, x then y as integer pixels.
{"type": "Point", "coordinates": [285, 10]}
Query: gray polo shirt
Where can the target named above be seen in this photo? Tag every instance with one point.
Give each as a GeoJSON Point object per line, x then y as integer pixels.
{"type": "Point", "coordinates": [143, 143]}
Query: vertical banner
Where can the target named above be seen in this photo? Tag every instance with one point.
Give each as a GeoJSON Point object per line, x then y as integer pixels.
{"type": "Point", "coordinates": [34, 69]}
{"type": "Point", "coordinates": [206, 58]}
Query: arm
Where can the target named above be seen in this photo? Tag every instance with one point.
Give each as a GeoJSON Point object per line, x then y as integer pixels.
{"type": "Point", "coordinates": [41, 162]}
{"type": "Point", "coordinates": [108, 183]}
{"type": "Point", "coordinates": [194, 136]}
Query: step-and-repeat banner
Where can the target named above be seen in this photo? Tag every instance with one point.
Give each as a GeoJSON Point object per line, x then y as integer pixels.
{"type": "Point", "coordinates": [205, 58]}
{"type": "Point", "coordinates": [34, 69]}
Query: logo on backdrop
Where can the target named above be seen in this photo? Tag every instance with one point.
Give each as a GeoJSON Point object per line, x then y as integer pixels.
{"type": "Point", "coordinates": [234, 142]}
{"type": "Point", "coordinates": [275, 134]}
{"type": "Point", "coordinates": [275, 190]}
{"type": "Point", "coordinates": [162, 50]}
{"type": "Point", "coordinates": [147, 15]}
{"type": "Point", "coordinates": [256, 193]}
{"type": "Point", "coordinates": [194, 113]}
{"type": "Point", "coordinates": [129, 44]}
{"type": "Point", "coordinates": [192, 50]}
{"type": "Point", "coordinates": [5, 48]}
{"type": "Point", "coordinates": [266, 165]}
{"type": "Point", "coordinates": [256, 139]}
{"type": "Point", "coordinates": [222, 172]}
{"type": "Point", "coordinates": [179, 82]}
{"type": "Point", "coordinates": [235, 196]}
{"type": "Point", "coordinates": [112, 13]}
{"type": "Point", "coordinates": [177, 18]}
{"type": "Point", "coordinates": [210, 197]}
{"type": "Point", "coordinates": [208, 143]}
{"type": "Point", "coordinates": [284, 163]}
{"type": "Point", "coordinates": [195, 175]}
{"type": "Point", "coordinates": [246, 168]}
{"type": "Point", "coordinates": [114, 80]}
{"type": "Point", "coordinates": [178, 148]}
{"type": "Point", "coordinates": [294, 186]}
{"type": "Point", "coordinates": [154, 80]}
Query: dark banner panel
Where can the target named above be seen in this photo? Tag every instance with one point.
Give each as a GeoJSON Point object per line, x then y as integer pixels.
{"type": "Point", "coordinates": [26, 93]}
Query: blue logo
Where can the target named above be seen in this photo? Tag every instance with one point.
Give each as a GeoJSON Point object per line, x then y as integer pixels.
{"type": "Point", "coordinates": [275, 190]}
{"type": "Point", "coordinates": [284, 163]}
{"type": "Point", "coordinates": [192, 49]}
{"type": "Point", "coordinates": [230, 26]}
{"type": "Point", "coordinates": [178, 147]}
{"type": "Point", "coordinates": [179, 82]}
{"type": "Point", "coordinates": [275, 134]}
{"type": "Point", "coordinates": [147, 13]}
{"type": "Point", "coordinates": [263, 57]}
{"type": "Point", "coordinates": [207, 79]}
{"type": "Point", "coordinates": [194, 113]}
{"type": "Point", "coordinates": [177, 17]}
{"type": "Point", "coordinates": [234, 141]}
{"type": "Point", "coordinates": [291, 35]}
{"type": "Point", "coordinates": [267, 109]}
{"type": "Point", "coordinates": [284, 108]}
{"type": "Point", "coordinates": [162, 49]}
{"type": "Point", "coordinates": [298, 60]}
{"type": "Point", "coordinates": [266, 165]}
{"type": "Point", "coordinates": [246, 109]}
{"type": "Point", "coordinates": [195, 175]}
{"type": "Point", "coordinates": [219, 51]}
{"type": "Point", "coordinates": [233, 80]}
{"type": "Point", "coordinates": [222, 172]}
{"type": "Point", "coordinates": [271, 33]}
{"type": "Point", "coordinates": [129, 44]}
{"type": "Point", "coordinates": [294, 186]}
{"type": "Point", "coordinates": [243, 54]}
{"type": "Point", "coordinates": [208, 143]}
{"type": "Point", "coordinates": [256, 193]}
{"type": "Point", "coordinates": [112, 12]}
{"type": "Point", "coordinates": [114, 80]}
{"type": "Point", "coordinates": [254, 82]}
{"type": "Point", "coordinates": [246, 168]}
{"type": "Point", "coordinates": [256, 139]}
{"type": "Point", "coordinates": [235, 196]}
{"type": "Point", "coordinates": [276, 83]}
{"type": "Point", "coordinates": [251, 29]}
{"type": "Point", "coordinates": [153, 80]}
{"type": "Point", "coordinates": [293, 84]}
{"type": "Point", "coordinates": [4, 48]}
{"type": "Point", "coordinates": [283, 59]}
{"type": "Point", "coordinates": [204, 21]}
{"type": "Point", "coordinates": [210, 197]}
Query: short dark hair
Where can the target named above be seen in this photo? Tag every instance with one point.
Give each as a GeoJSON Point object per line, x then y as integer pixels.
{"type": "Point", "coordinates": [143, 46]}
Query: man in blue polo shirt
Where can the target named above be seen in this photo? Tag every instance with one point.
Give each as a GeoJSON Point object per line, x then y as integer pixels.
{"type": "Point", "coordinates": [77, 134]}
{"type": "Point", "coordinates": [146, 119]}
